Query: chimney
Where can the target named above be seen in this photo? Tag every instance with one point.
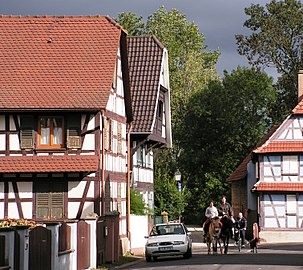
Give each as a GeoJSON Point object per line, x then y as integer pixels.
{"type": "Point", "coordinates": [300, 84]}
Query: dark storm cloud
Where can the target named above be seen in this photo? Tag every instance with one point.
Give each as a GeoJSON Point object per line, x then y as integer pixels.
{"type": "Point", "coordinates": [218, 20]}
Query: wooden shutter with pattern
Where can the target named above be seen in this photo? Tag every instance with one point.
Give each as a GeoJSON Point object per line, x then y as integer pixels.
{"type": "Point", "coordinates": [73, 128]}
{"type": "Point", "coordinates": [26, 131]}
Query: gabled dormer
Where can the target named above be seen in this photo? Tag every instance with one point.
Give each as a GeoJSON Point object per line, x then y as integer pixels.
{"type": "Point", "coordinates": [149, 76]}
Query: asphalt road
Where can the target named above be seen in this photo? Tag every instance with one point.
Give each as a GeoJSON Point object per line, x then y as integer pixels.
{"type": "Point", "coordinates": [269, 257]}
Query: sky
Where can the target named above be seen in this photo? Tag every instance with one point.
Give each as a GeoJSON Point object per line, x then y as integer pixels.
{"type": "Point", "coordinates": [218, 20]}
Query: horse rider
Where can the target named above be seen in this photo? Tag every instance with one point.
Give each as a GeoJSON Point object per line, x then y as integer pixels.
{"type": "Point", "coordinates": [225, 209]}
{"type": "Point", "coordinates": [211, 212]}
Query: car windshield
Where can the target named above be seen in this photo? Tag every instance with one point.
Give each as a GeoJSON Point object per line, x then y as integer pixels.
{"type": "Point", "coordinates": [167, 229]}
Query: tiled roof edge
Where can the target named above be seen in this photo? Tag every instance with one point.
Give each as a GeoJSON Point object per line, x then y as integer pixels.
{"type": "Point", "coordinates": [113, 22]}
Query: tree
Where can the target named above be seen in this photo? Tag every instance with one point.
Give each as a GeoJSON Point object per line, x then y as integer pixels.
{"type": "Point", "coordinates": [134, 25]}
{"type": "Point", "coordinates": [167, 196]}
{"type": "Point", "coordinates": [276, 41]}
{"type": "Point", "coordinates": [191, 64]}
{"type": "Point", "coordinates": [222, 125]}
{"type": "Point", "coordinates": [191, 67]}
{"type": "Point", "coordinates": [137, 205]}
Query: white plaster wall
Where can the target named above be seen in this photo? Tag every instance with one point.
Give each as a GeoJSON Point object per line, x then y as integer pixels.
{"type": "Point", "coordinates": [2, 141]}
{"type": "Point", "coordinates": [88, 209]}
{"type": "Point", "coordinates": [27, 208]}
{"type": "Point", "coordinates": [75, 189]}
{"type": "Point", "coordinates": [123, 228]}
{"type": "Point", "coordinates": [14, 142]}
{"type": "Point", "coordinates": [1, 209]}
{"type": "Point", "coordinates": [91, 123]}
{"type": "Point", "coordinates": [73, 209]}
{"type": "Point", "coordinates": [25, 189]}
{"type": "Point", "coordinates": [89, 142]}
{"type": "Point", "coordinates": [91, 189]}
{"type": "Point", "coordinates": [13, 210]}
{"type": "Point", "coordinates": [138, 230]}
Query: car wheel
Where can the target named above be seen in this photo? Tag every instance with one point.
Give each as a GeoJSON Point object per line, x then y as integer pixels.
{"type": "Point", "coordinates": [188, 254]}
{"type": "Point", "coordinates": [148, 258]}
{"type": "Point", "coordinates": [155, 258]}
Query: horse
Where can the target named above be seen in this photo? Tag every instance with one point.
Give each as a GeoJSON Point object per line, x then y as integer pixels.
{"type": "Point", "coordinates": [226, 231]}
{"type": "Point", "coordinates": [213, 236]}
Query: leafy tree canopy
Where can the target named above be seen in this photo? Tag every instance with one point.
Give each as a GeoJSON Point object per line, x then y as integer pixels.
{"type": "Point", "coordinates": [191, 64]}
{"type": "Point", "coordinates": [223, 123]}
{"type": "Point", "coordinates": [137, 204]}
{"type": "Point", "coordinates": [276, 41]}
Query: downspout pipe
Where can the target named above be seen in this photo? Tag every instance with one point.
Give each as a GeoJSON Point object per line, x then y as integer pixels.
{"type": "Point", "coordinates": [129, 162]}
{"type": "Point", "coordinates": [103, 166]}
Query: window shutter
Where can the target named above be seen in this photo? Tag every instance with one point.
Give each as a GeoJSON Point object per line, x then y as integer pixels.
{"type": "Point", "coordinates": [57, 203]}
{"type": "Point", "coordinates": [73, 136]}
{"type": "Point", "coordinates": [50, 199]}
{"type": "Point", "coordinates": [27, 131]}
{"type": "Point", "coordinates": [42, 205]}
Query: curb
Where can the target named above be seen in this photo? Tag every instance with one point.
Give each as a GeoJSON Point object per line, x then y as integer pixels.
{"type": "Point", "coordinates": [138, 260]}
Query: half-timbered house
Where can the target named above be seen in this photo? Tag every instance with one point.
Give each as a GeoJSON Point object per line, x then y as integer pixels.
{"type": "Point", "coordinates": [151, 128]}
{"type": "Point", "coordinates": [64, 110]}
{"type": "Point", "coordinates": [271, 180]}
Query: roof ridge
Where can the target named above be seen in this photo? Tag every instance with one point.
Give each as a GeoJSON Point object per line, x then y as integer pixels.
{"type": "Point", "coordinates": [52, 16]}
{"type": "Point", "coordinates": [159, 43]}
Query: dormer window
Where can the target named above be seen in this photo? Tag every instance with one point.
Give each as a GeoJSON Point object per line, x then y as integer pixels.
{"type": "Point", "coordinates": [50, 133]}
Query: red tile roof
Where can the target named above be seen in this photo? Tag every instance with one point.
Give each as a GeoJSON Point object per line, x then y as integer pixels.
{"type": "Point", "coordinates": [57, 62]}
{"type": "Point", "coordinates": [145, 61]}
{"type": "Point", "coordinates": [299, 108]}
{"type": "Point", "coordinates": [241, 171]}
{"type": "Point", "coordinates": [278, 186]}
{"type": "Point", "coordinates": [35, 164]}
{"type": "Point", "coordinates": [280, 146]}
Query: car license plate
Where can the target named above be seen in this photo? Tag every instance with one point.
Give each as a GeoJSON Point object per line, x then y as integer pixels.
{"type": "Point", "coordinates": [165, 248]}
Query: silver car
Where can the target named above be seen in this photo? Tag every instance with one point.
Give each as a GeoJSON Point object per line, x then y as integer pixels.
{"type": "Point", "coordinates": [168, 239]}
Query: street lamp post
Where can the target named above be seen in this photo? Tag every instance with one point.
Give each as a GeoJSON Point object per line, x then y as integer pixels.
{"type": "Point", "coordinates": [179, 185]}
{"type": "Point", "coordinates": [178, 180]}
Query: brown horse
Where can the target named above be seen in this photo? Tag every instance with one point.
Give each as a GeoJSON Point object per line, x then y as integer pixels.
{"type": "Point", "coordinates": [213, 236]}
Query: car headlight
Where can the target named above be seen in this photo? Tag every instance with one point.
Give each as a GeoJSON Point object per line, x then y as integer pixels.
{"type": "Point", "coordinates": [178, 243]}
{"type": "Point", "coordinates": [152, 244]}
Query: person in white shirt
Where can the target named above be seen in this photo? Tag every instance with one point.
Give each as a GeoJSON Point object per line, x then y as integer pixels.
{"type": "Point", "coordinates": [211, 212]}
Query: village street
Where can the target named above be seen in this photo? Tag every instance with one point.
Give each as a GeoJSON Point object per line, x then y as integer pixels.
{"type": "Point", "coordinates": [269, 256]}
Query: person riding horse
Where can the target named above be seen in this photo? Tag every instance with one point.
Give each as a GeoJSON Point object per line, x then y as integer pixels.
{"type": "Point", "coordinates": [210, 213]}
{"type": "Point", "coordinates": [225, 209]}
{"type": "Point", "coordinates": [226, 213]}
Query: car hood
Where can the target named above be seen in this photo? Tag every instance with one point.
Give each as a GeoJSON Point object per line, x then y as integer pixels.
{"type": "Point", "coordinates": [166, 238]}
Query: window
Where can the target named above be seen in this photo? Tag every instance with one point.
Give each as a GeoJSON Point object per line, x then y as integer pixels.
{"type": "Point", "coordinates": [290, 165]}
{"type": "Point", "coordinates": [108, 134]}
{"type": "Point", "coordinates": [50, 132]}
{"type": "Point", "coordinates": [50, 199]}
{"type": "Point", "coordinates": [141, 156]}
{"type": "Point", "coordinates": [160, 110]}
